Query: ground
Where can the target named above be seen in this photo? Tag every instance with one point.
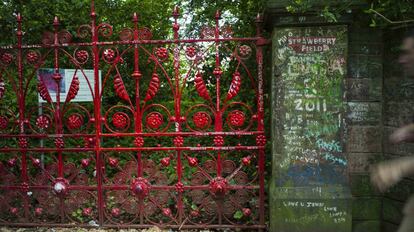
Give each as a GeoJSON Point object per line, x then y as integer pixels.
{"type": "Point", "coordinates": [153, 229]}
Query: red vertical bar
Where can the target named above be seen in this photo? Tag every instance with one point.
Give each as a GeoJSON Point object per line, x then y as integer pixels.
{"type": "Point", "coordinates": [58, 122]}
{"type": "Point", "coordinates": [260, 116]}
{"type": "Point", "coordinates": [218, 72]}
{"type": "Point", "coordinates": [22, 104]}
{"type": "Point", "coordinates": [138, 121]}
{"type": "Point", "coordinates": [177, 108]}
{"type": "Point", "coordinates": [57, 77]}
{"type": "Point", "coordinates": [21, 91]}
{"type": "Point", "coordinates": [219, 114]}
{"type": "Point", "coordinates": [137, 75]}
{"type": "Point", "coordinates": [97, 113]}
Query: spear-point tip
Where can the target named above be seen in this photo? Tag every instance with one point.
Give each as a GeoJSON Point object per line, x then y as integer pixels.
{"type": "Point", "coordinates": [135, 17]}
{"type": "Point", "coordinates": [218, 14]}
{"type": "Point", "coordinates": [176, 11]}
{"type": "Point", "coordinates": [19, 17]}
{"type": "Point", "coordinates": [259, 18]}
{"type": "Point", "coordinates": [56, 21]}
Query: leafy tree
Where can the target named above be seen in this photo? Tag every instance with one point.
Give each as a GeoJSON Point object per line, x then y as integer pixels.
{"type": "Point", "coordinates": [383, 13]}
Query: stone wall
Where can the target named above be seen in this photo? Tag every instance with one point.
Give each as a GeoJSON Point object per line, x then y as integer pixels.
{"type": "Point", "coordinates": [363, 93]}
{"type": "Point", "coordinates": [398, 97]}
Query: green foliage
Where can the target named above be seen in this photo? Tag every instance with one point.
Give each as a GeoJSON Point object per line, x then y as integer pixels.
{"type": "Point", "coordinates": [382, 12]}
{"type": "Point", "coordinates": [389, 12]}
{"type": "Point", "coordinates": [299, 6]}
{"type": "Point", "coordinates": [240, 14]}
{"type": "Point", "coordinates": [38, 16]}
{"type": "Point", "coordinates": [238, 214]}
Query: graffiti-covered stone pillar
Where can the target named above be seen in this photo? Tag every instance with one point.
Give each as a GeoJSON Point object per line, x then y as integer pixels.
{"type": "Point", "coordinates": [311, 184]}
{"type": "Point", "coordinates": [309, 189]}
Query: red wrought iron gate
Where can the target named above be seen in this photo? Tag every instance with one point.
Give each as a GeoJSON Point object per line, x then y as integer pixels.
{"type": "Point", "coordinates": [174, 136]}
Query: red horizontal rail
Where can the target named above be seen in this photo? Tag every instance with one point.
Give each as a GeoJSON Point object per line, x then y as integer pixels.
{"type": "Point", "coordinates": [132, 42]}
{"type": "Point", "coordinates": [120, 149]}
{"type": "Point", "coordinates": [143, 134]}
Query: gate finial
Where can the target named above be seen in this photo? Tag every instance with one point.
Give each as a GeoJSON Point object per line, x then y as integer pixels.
{"type": "Point", "coordinates": [218, 15]}
{"type": "Point", "coordinates": [19, 25]}
{"type": "Point", "coordinates": [93, 14]}
{"type": "Point", "coordinates": [135, 17]}
{"type": "Point", "coordinates": [176, 12]}
{"type": "Point", "coordinates": [56, 21]}
{"type": "Point", "coordinates": [259, 22]}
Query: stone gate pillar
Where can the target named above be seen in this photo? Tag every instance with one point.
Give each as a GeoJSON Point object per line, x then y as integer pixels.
{"type": "Point", "coordinates": [309, 188]}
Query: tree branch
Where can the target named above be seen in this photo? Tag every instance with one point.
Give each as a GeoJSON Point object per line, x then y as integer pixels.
{"type": "Point", "coordinates": [390, 21]}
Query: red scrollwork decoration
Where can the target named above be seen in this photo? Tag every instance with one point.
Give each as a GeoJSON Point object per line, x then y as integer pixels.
{"type": "Point", "coordinates": [178, 141]}
{"type": "Point", "coordinates": [32, 57]}
{"type": "Point", "coordinates": [7, 58]}
{"type": "Point", "coordinates": [244, 51]}
{"type": "Point", "coordinates": [120, 120]}
{"type": "Point", "coordinates": [165, 161]}
{"type": "Point", "coordinates": [154, 120]}
{"type": "Point", "coordinates": [60, 186]}
{"type": "Point", "coordinates": [59, 143]}
{"type": "Point", "coordinates": [161, 53]}
{"type": "Point", "coordinates": [144, 34]}
{"type": "Point", "coordinates": [109, 55]}
{"type": "Point", "coordinates": [234, 86]}
{"type": "Point", "coordinates": [207, 32]}
{"type": "Point", "coordinates": [140, 187]}
{"type": "Point", "coordinates": [73, 89]}
{"type": "Point", "coordinates": [23, 142]}
{"type": "Point", "coordinates": [191, 52]}
{"type": "Point", "coordinates": [153, 87]}
{"type": "Point", "coordinates": [84, 31]}
{"type": "Point", "coordinates": [48, 38]}
{"type": "Point", "coordinates": [120, 89]}
{"type": "Point", "coordinates": [218, 187]}
{"type": "Point", "coordinates": [4, 122]}
{"type": "Point", "coordinates": [81, 56]}
{"type": "Point", "coordinates": [43, 91]}
{"type": "Point", "coordinates": [201, 87]}
{"type": "Point", "coordinates": [64, 37]}
{"type": "Point", "coordinates": [218, 140]}
{"type": "Point", "coordinates": [43, 122]}
{"type": "Point", "coordinates": [261, 140]}
{"type": "Point", "coordinates": [201, 120]}
{"type": "Point", "coordinates": [139, 141]}
{"type": "Point", "coordinates": [236, 118]}
{"type": "Point", "coordinates": [226, 31]}
{"type": "Point", "coordinates": [126, 34]}
{"type": "Point", "coordinates": [104, 29]}
{"type": "Point", "coordinates": [74, 121]}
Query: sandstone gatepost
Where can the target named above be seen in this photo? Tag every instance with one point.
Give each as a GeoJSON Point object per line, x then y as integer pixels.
{"type": "Point", "coordinates": [337, 93]}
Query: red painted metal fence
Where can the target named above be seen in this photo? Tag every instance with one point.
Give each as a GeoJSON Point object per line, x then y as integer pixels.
{"type": "Point", "coordinates": [183, 146]}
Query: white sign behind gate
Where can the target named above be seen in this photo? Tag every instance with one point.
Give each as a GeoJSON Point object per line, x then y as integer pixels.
{"type": "Point", "coordinates": [85, 89]}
